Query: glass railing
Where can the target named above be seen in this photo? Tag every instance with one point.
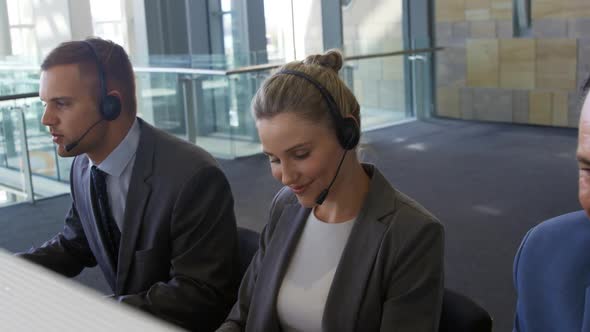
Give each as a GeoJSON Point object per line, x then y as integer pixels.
{"type": "Point", "coordinates": [17, 78]}
{"type": "Point", "coordinates": [29, 166]}
{"type": "Point", "coordinates": [208, 107]}
{"type": "Point", "coordinates": [379, 85]}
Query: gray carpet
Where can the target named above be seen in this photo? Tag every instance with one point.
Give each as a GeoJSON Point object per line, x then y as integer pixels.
{"type": "Point", "coordinates": [487, 183]}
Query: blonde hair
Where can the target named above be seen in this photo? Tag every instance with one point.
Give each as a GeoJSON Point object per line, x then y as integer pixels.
{"type": "Point", "coordinates": [288, 93]}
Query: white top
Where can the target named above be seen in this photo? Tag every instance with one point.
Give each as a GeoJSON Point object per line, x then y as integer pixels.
{"type": "Point", "coordinates": [304, 290]}
{"type": "Point", "coordinates": [119, 165]}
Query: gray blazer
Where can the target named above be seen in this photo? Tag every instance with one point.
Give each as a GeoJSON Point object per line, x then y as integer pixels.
{"type": "Point", "coordinates": [178, 253]}
{"type": "Point", "coordinates": [390, 276]}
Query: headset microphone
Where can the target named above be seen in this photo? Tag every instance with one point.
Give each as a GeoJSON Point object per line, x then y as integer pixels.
{"type": "Point", "coordinates": [322, 196]}
{"type": "Point", "coordinates": [75, 143]}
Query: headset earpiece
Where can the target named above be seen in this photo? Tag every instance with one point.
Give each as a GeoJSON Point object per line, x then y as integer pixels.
{"type": "Point", "coordinates": [110, 107]}
{"type": "Point", "coordinates": [347, 129]}
{"type": "Point", "coordinates": [348, 133]}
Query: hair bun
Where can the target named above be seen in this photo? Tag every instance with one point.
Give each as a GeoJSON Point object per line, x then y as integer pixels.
{"type": "Point", "coordinates": [331, 59]}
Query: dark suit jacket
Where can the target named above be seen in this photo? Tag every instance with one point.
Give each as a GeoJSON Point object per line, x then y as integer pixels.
{"type": "Point", "coordinates": [552, 276]}
{"type": "Point", "coordinates": [178, 254]}
{"type": "Point", "coordinates": [389, 278]}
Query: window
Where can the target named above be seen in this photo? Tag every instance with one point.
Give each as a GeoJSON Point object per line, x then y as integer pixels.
{"type": "Point", "coordinates": [522, 18]}
{"type": "Point", "coordinates": [22, 28]}
{"type": "Point", "coordinates": [107, 19]}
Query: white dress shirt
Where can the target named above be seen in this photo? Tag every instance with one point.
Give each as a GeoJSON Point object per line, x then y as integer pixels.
{"type": "Point", "coordinates": [119, 165]}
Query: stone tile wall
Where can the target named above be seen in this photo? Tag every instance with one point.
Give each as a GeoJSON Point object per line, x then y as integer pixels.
{"type": "Point", "coordinates": [486, 73]}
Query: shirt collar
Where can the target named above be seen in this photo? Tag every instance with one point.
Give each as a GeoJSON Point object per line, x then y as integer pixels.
{"type": "Point", "coordinates": [116, 162]}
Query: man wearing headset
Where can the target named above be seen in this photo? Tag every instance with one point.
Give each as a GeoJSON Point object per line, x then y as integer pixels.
{"type": "Point", "coordinates": [154, 212]}
{"type": "Point", "coordinates": [552, 266]}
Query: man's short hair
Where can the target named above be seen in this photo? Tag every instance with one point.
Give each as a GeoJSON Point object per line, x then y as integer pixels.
{"type": "Point", "coordinates": [115, 62]}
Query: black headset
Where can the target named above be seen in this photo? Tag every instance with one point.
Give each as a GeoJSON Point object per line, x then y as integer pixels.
{"type": "Point", "coordinates": [108, 106]}
{"type": "Point", "coordinates": [347, 130]}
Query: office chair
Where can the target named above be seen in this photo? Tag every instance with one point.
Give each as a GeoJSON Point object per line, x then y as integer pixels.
{"type": "Point", "coordinates": [461, 314]}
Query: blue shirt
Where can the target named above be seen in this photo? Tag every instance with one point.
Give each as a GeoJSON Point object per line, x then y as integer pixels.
{"type": "Point", "coordinates": [119, 165]}
{"type": "Point", "coordinates": [552, 276]}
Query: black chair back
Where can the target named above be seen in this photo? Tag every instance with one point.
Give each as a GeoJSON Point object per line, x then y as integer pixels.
{"type": "Point", "coordinates": [461, 314]}
{"type": "Point", "coordinates": [248, 245]}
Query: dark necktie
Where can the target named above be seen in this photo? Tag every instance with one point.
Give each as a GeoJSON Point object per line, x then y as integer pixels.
{"type": "Point", "coordinates": [104, 216]}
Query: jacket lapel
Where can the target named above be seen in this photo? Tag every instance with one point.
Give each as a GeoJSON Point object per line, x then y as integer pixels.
{"type": "Point", "coordinates": [139, 192]}
{"type": "Point", "coordinates": [356, 265]}
{"type": "Point", "coordinates": [276, 261]}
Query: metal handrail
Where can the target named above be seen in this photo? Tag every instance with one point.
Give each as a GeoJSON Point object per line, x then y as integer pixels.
{"type": "Point", "coordinates": [19, 96]}
{"type": "Point", "coordinates": [259, 68]}
{"type": "Point", "coordinates": [396, 53]}
{"type": "Point", "coordinates": [180, 70]}
{"type": "Point", "coordinates": [241, 70]}
{"type": "Point", "coordinates": [264, 67]}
